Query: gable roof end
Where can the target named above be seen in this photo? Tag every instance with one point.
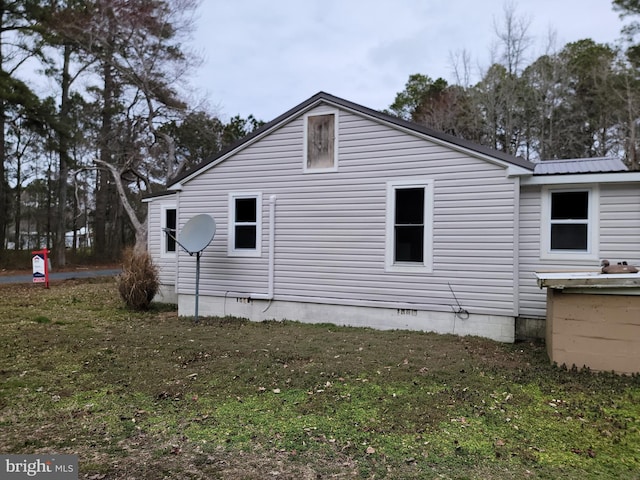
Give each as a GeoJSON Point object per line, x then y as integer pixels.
{"type": "Point", "coordinates": [382, 117]}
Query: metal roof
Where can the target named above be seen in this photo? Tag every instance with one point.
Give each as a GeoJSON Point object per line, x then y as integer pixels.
{"type": "Point", "coordinates": [579, 165]}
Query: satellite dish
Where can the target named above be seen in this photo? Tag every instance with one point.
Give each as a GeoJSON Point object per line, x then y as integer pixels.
{"type": "Point", "coordinates": [197, 233]}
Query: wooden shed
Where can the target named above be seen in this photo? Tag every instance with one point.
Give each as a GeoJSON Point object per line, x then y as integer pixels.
{"type": "Point", "coordinates": [593, 320]}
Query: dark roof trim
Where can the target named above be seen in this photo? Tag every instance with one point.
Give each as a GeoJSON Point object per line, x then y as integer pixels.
{"type": "Point", "coordinates": [445, 137]}
{"type": "Point", "coordinates": [383, 117]}
{"type": "Point", "coordinates": [164, 193]}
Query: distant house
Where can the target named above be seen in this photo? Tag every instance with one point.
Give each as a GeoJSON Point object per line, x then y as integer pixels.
{"type": "Point", "coordinates": [337, 213]}
{"type": "Point", "coordinates": [81, 236]}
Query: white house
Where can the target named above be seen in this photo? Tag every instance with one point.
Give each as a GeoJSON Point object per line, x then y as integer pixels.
{"type": "Point", "coordinates": [337, 213]}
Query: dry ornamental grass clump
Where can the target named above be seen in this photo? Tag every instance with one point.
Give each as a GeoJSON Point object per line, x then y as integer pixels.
{"type": "Point", "coordinates": [138, 283]}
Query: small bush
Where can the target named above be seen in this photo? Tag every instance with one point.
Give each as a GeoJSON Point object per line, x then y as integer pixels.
{"type": "Point", "coordinates": [138, 283]}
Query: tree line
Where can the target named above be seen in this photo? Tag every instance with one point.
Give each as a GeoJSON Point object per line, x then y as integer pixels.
{"type": "Point", "coordinates": [580, 101]}
{"type": "Point", "coordinates": [119, 120]}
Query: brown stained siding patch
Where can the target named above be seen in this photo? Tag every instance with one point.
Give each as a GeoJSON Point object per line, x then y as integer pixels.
{"type": "Point", "coordinates": [321, 141]}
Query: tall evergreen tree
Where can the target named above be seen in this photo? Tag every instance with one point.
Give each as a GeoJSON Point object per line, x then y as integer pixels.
{"type": "Point", "coordinates": [16, 23]}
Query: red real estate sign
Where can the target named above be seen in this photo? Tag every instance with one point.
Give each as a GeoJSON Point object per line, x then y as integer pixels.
{"type": "Point", "coordinates": [40, 262]}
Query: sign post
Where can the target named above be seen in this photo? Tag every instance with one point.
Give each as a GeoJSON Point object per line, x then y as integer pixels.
{"type": "Point", "coordinates": [40, 262]}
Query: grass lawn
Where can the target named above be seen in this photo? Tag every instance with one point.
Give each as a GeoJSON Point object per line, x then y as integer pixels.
{"type": "Point", "coordinates": [153, 396]}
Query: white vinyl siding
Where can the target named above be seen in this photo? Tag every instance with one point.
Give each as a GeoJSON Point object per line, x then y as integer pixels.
{"type": "Point", "coordinates": [166, 263]}
{"type": "Point", "coordinates": [330, 229]}
{"type": "Point", "coordinates": [620, 223]}
{"type": "Point", "coordinates": [617, 236]}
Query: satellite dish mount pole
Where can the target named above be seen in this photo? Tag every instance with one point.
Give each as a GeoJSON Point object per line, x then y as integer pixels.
{"type": "Point", "coordinates": [196, 235]}
{"type": "Point", "coordinates": [198, 254]}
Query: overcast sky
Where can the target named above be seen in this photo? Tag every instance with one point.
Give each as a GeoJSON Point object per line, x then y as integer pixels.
{"type": "Point", "coordinates": [263, 57]}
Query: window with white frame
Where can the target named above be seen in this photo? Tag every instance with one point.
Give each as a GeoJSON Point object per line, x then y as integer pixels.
{"type": "Point", "coordinates": [570, 223]}
{"type": "Point", "coordinates": [245, 224]}
{"type": "Point", "coordinates": [168, 227]}
{"type": "Point", "coordinates": [409, 226]}
{"type": "Point", "coordinates": [321, 142]}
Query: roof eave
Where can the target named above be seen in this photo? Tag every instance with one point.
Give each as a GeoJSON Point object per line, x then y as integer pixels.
{"type": "Point", "coordinates": [434, 135]}
{"type": "Point", "coordinates": [579, 178]}
{"type": "Point", "coordinates": [153, 196]}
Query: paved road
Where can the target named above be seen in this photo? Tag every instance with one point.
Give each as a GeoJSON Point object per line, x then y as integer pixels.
{"type": "Point", "coordinates": [61, 276]}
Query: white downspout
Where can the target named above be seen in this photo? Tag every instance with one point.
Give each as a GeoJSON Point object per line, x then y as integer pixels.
{"type": "Point", "coordinates": [516, 247]}
{"type": "Point", "coordinates": [272, 245]}
{"type": "Point", "coordinates": [272, 253]}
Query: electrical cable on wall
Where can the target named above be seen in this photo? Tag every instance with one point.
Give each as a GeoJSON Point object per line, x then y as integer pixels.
{"type": "Point", "coordinates": [268, 305]}
{"type": "Point", "coordinates": [460, 312]}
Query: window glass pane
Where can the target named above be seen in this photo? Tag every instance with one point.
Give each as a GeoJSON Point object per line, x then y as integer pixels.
{"type": "Point", "coordinates": [245, 209]}
{"type": "Point", "coordinates": [170, 223]}
{"type": "Point", "coordinates": [245, 236]}
{"type": "Point", "coordinates": [569, 205]}
{"type": "Point", "coordinates": [320, 141]}
{"type": "Point", "coordinates": [409, 244]}
{"type": "Point", "coordinates": [569, 237]}
{"type": "Point", "coordinates": [409, 206]}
